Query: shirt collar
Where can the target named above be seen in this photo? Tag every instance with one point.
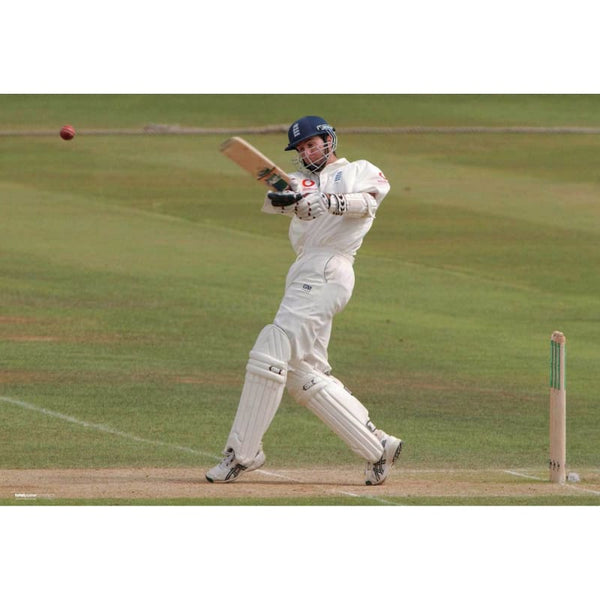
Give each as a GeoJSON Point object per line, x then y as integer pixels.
{"type": "Point", "coordinates": [340, 162]}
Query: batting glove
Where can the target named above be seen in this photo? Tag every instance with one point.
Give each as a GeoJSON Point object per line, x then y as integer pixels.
{"type": "Point", "coordinates": [312, 206]}
{"type": "Point", "coordinates": [285, 201]}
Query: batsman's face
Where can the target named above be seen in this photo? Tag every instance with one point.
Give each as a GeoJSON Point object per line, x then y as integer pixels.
{"type": "Point", "coordinates": [314, 151]}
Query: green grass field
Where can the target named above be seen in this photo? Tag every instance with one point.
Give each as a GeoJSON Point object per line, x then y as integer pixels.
{"type": "Point", "coordinates": [136, 272]}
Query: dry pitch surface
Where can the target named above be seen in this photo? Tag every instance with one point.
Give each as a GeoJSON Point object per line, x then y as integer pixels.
{"type": "Point", "coordinates": [303, 484]}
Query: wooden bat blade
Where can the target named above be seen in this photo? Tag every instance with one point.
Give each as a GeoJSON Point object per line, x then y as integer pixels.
{"type": "Point", "coordinates": [256, 163]}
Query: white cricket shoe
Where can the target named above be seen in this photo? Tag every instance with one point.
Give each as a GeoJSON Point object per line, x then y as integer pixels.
{"type": "Point", "coordinates": [229, 469]}
{"type": "Point", "coordinates": [376, 473]}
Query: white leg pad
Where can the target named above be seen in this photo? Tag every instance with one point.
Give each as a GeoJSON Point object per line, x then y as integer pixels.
{"type": "Point", "coordinates": [344, 414]}
{"type": "Point", "coordinates": [266, 375]}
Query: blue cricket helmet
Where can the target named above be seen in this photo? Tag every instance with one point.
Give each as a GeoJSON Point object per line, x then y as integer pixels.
{"type": "Point", "coordinates": [308, 127]}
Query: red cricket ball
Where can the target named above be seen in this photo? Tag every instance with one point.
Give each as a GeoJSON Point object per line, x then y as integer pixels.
{"type": "Point", "coordinates": [67, 132]}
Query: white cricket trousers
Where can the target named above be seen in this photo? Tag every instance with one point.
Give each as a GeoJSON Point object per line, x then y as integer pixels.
{"type": "Point", "coordinates": [318, 286]}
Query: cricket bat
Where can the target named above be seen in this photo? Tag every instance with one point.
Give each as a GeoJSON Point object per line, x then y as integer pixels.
{"type": "Point", "coordinates": [257, 164]}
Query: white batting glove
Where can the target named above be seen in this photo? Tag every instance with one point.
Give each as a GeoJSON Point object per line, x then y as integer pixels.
{"type": "Point", "coordinates": [312, 206]}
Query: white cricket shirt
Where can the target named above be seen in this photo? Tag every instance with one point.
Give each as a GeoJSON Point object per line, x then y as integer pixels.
{"type": "Point", "coordinates": [343, 234]}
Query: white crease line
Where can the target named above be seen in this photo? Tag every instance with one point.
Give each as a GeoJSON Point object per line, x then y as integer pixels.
{"type": "Point", "coordinates": [103, 428]}
{"type": "Point", "coordinates": [334, 490]}
{"type": "Point", "coordinates": [581, 489]}
{"type": "Point", "coordinates": [523, 475]}
{"type": "Point", "coordinates": [369, 497]}
{"type": "Point", "coordinates": [271, 474]}
{"type": "Point", "coordinates": [569, 485]}
{"type": "Point", "coordinates": [34, 496]}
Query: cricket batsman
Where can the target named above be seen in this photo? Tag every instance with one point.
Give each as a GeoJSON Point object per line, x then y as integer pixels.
{"type": "Point", "coordinates": [331, 205]}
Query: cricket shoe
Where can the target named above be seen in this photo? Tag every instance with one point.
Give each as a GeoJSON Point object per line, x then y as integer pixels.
{"type": "Point", "coordinates": [229, 469]}
{"type": "Point", "coordinates": [376, 473]}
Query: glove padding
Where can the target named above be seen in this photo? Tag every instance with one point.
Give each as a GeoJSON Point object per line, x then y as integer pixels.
{"type": "Point", "coordinates": [285, 198]}
{"type": "Point", "coordinates": [312, 206]}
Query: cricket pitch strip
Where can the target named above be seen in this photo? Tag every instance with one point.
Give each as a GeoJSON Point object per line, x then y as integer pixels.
{"type": "Point", "coordinates": [139, 484]}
